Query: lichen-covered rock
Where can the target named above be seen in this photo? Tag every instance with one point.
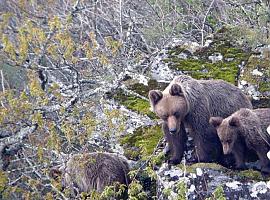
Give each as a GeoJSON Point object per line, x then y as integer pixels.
{"type": "Point", "coordinates": [220, 59]}
{"type": "Point", "coordinates": [210, 181]}
{"type": "Point", "coordinates": [255, 76]}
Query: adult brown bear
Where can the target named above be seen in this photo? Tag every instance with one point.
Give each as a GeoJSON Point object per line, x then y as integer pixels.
{"type": "Point", "coordinates": [243, 130]}
{"type": "Point", "coordinates": [189, 103]}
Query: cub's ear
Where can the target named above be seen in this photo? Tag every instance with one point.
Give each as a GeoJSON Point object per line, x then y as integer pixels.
{"type": "Point", "coordinates": [215, 121]}
{"type": "Point", "coordinates": [155, 96]}
{"type": "Point", "coordinates": [234, 121]}
{"type": "Point", "coordinates": [176, 90]}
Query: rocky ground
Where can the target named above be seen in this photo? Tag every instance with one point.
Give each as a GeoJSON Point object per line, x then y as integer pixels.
{"type": "Point", "coordinates": [221, 58]}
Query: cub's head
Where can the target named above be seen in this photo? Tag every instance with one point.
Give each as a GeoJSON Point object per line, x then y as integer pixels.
{"type": "Point", "coordinates": [171, 108]}
{"type": "Point", "coordinates": [227, 130]}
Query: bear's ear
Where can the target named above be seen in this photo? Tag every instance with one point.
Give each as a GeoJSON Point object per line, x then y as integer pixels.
{"type": "Point", "coordinates": [215, 121]}
{"type": "Point", "coordinates": [234, 121]}
{"type": "Point", "coordinates": [176, 90]}
{"type": "Point", "coordinates": [154, 96]}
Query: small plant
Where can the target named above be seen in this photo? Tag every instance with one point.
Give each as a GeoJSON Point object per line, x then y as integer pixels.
{"type": "Point", "coordinates": [218, 194]}
{"type": "Point", "coordinates": [181, 189]}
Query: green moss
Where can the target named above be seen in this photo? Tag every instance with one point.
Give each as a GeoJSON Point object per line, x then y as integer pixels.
{"type": "Point", "coordinates": [144, 89]}
{"type": "Point", "coordinates": [203, 68]}
{"type": "Point", "coordinates": [251, 174]}
{"type": "Point", "coordinates": [264, 86]}
{"type": "Point", "coordinates": [142, 142]}
{"type": "Point", "coordinates": [134, 103]}
{"type": "Point", "coordinates": [192, 168]}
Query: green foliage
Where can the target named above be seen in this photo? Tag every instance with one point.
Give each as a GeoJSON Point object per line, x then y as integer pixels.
{"type": "Point", "coordinates": [218, 194]}
{"type": "Point", "coordinates": [167, 192]}
{"type": "Point", "coordinates": [181, 189]}
{"type": "Point", "coordinates": [135, 191]}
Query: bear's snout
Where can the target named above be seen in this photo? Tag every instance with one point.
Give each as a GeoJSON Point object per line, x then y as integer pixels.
{"type": "Point", "coordinates": [226, 148]}
{"type": "Point", "coordinates": [173, 124]}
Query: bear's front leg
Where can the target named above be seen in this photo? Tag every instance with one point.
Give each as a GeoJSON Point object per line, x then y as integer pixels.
{"type": "Point", "coordinates": [176, 143]}
{"type": "Point", "coordinates": [264, 160]}
{"type": "Point", "coordinates": [207, 145]}
{"type": "Point", "coordinates": [239, 154]}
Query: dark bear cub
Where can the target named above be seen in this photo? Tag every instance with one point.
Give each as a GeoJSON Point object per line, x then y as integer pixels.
{"type": "Point", "coordinates": [243, 130]}
{"type": "Point", "coordinates": [90, 172]}
{"type": "Point", "coordinates": [188, 103]}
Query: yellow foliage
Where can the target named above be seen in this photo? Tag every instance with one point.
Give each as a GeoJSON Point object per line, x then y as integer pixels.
{"type": "Point", "coordinates": [34, 86]}
{"type": "Point", "coordinates": [23, 47]}
{"type": "Point", "coordinates": [54, 140]}
{"type": "Point", "coordinates": [88, 121]}
{"type": "Point", "coordinates": [103, 59]}
{"type": "Point", "coordinates": [37, 118]}
{"type": "Point", "coordinates": [3, 181]}
{"type": "Point", "coordinates": [9, 47]}
{"type": "Point", "coordinates": [68, 131]}
{"type": "Point", "coordinates": [54, 23]}
{"type": "Point", "coordinates": [40, 153]}
{"type": "Point", "coordinates": [92, 37]}
{"type": "Point", "coordinates": [49, 196]}
{"type": "Point", "coordinates": [114, 45]}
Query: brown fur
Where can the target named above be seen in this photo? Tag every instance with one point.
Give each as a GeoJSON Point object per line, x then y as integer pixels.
{"type": "Point", "coordinates": [245, 129]}
{"type": "Point", "coordinates": [94, 171]}
{"type": "Point", "coordinates": [189, 103]}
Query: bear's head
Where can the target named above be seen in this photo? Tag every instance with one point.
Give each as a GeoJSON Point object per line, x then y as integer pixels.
{"type": "Point", "coordinates": [171, 108]}
{"type": "Point", "coordinates": [227, 130]}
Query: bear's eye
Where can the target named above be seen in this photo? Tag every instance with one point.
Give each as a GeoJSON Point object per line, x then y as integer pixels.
{"type": "Point", "coordinates": [177, 114]}
{"type": "Point", "coordinates": [229, 141]}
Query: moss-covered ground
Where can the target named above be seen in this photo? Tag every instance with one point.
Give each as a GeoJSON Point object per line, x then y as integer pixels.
{"type": "Point", "coordinates": [133, 103]}
{"type": "Point", "coordinates": [142, 142]}
{"type": "Point", "coordinates": [144, 89]}
{"type": "Point", "coordinates": [263, 66]}
{"type": "Point", "coordinates": [199, 65]}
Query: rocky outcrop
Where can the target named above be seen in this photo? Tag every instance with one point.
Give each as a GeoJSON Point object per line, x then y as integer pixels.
{"type": "Point", "coordinates": [221, 58]}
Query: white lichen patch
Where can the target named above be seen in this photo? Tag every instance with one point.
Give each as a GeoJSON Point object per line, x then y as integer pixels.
{"type": "Point", "coordinates": [258, 188]}
{"type": "Point", "coordinates": [233, 185]}
{"type": "Point", "coordinates": [268, 129]}
{"type": "Point", "coordinates": [173, 173]}
{"type": "Point", "coordinates": [199, 172]}
{"type": "Point", "coordinates": [191, 189]}
{"type": "Point", "coordinates": [268, 155]}
{"type": "Point", "coordinates": [215, 57]}
{"type": "Point", "coordinates": [256, 72]}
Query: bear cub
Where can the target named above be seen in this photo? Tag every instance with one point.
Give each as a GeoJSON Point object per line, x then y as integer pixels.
{"type": "Point", "coordinates": [245, 129]}
{"type": "Point", "coordinates": [90, 172]}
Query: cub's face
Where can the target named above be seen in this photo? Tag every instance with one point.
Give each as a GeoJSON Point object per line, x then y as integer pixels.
{"type": "Point", "coordinates": [227, 130]}
{"type": "Point", "coordinates": [171, 108]}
